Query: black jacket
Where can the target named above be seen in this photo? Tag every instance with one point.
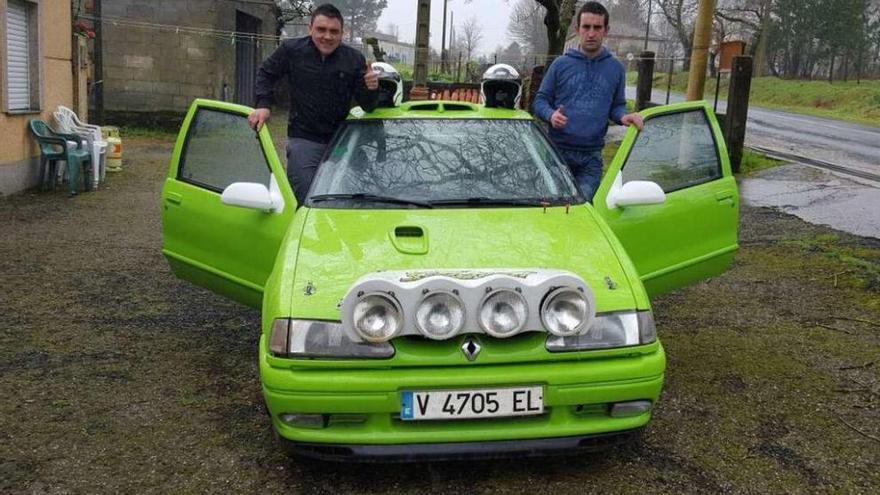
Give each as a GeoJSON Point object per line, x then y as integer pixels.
{"type": "Point", "coordinates": [321, 88]}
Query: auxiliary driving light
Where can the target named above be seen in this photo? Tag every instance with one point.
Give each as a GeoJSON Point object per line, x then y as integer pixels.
{"type": "Point", "coordinates": [440, 315]}
{"type": "Point", "coordinates": [304, 420]}
{"type": "Point", "coordinates": [564, 312]}
{"type": "Point", "coordinates": [630, 409]}
{"type": "Point", "coordinates": [503, 313]}
{"type": "Point", "coordinates": [377, 317]}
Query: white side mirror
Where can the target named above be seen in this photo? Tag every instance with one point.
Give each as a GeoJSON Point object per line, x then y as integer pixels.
{"type": "Point", "coordinates": [255, 196]}
{"type": "Point", "coordinates": [635, 192]}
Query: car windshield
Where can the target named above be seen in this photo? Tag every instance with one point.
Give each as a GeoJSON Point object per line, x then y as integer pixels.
{"type": "Point", "coordinates": [425, 163]}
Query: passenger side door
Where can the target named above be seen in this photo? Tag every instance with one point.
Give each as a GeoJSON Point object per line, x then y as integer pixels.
{"type": "Point", "coordinates": [228, 249]}
{"type": "Point", "coordinates": [692, 234]}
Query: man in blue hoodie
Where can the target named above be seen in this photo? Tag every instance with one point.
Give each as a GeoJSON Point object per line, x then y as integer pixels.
{"type": "Point", "coordinates": [581, 91]}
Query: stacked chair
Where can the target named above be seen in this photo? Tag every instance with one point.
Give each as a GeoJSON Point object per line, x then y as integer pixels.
{"type": "Point", "coordinates": [56, 147]}
{"type": "Point", "coordinates": [69, 123]}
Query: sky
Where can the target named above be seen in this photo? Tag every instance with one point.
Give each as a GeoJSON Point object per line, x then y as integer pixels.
{"type": "Point", "coordinates": [492, 14]}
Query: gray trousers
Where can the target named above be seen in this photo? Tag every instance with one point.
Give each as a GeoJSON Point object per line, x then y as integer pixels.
{"type": "Point", "coordinates": [303, 157]}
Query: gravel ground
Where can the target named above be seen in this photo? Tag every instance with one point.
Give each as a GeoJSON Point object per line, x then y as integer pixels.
{"type": "Point", "coordinates": [116, 377]}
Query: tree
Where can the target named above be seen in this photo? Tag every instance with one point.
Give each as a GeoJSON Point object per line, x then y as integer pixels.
{"type": "Point", "coordinates": [471, 35]}
{"type": "Point", "coordinates": [558, 21]}
{"type": "Point", "coordinates": [361, 15]}
{"type": "Point", "coordinates": [754, 18]}
{"type": "Point", "coordinates": [526, 26]}
{"type": "Point", "coordinates": [627, 12]}
{"type": "Point", "coordinates": [294, 9]}
{"type": "Point", "coordinates": [512, 55]}
{"type": "Point", "coordinates": [681, 16]}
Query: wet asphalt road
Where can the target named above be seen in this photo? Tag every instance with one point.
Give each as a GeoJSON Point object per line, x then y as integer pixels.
{"type": "Point", "coordinates": [817, 195]}
{"type": "Point", "coordinates": [841, 143]}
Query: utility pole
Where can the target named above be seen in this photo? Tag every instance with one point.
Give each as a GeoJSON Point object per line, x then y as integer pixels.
{"type": "Point", "coordinates": [419, 90]}
{"type": "Point", "coordinates": [443, 41]}
{"type": "Point", "coordinates": [700, 51]}
{"type": "Point", "coordinates": [98, 83]}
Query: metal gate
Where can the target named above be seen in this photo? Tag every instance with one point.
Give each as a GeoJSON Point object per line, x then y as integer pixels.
{"type": "Point", "coordinates": [246, 56]}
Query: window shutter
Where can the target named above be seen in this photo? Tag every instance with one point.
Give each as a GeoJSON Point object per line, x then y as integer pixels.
{"type": "Point", "coordinates": [17, 66]}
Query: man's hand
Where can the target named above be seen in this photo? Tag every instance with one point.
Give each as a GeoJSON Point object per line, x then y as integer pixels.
{"type": "Point", "coordinates": [634, 119]}
{"type": "Point", "coordinates": [371, 79]}
{"type": "Point", "coordinates": [258, 117]}
{"type": "Point", "coordinates": [558, 119]}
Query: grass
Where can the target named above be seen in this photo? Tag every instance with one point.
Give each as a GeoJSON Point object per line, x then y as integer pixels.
{"type": "Point", "coordinates": [862, 266]}
{"type": "Point", "coordinates": [146, 132]}
{"type": "Point", "coordinates": [753, 162]}
{"type": "Point", "coordinates": [848, 101]}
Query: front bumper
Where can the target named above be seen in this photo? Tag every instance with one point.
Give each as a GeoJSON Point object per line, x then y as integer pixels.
{"type": "Point", "coordinates": [362, 406]}
{"type": "Point", "coordinates": [506, 449]}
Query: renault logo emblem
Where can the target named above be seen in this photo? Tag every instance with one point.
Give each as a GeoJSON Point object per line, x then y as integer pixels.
{"type": "Point", "coordinates": [471, 348]}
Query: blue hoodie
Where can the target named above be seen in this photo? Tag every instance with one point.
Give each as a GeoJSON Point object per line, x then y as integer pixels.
{"type": "Point", "coordinates": [591, 90]}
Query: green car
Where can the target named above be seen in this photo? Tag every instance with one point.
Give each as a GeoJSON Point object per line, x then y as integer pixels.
{"type": "Point", "coordinates": [445, 291]}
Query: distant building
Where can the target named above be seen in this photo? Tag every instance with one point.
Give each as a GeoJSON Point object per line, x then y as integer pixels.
{"type": "Point", "coordinates": [159, 56]}
{"type": "Point", "coordinates": [396, 52]}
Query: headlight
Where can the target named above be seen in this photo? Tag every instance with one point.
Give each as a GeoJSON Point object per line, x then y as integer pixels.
{"type": "Point", "coordinates": [377, 317]}
{"type": "Point", "coordinates": [440, 315]}
{"type": "Point", "coordinates": [503, 313]}
{"type": "Point", "coordinates": [647, 328]}
{"type": "Point", "coordinates": [564, 311]}
{"type": "Point", "coordinates": [321, 339]}
{"type": "Point", "coordinates": [608, 330]}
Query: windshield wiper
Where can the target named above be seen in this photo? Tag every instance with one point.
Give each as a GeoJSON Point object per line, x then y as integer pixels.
{"type": "Point", "coordinates": [484, 201]}
{"type": "Point", "coordinates": [370, 198]}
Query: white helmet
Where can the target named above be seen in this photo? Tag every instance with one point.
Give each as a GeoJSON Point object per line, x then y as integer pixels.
{"type": "Point", "coordinates": [390, 85]}
{"type": "Point", "coordinates": [501, 87]}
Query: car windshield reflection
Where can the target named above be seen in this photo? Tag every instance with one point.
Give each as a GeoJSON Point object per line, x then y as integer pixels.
{"type": "Point", "coordinates": [448, 163]}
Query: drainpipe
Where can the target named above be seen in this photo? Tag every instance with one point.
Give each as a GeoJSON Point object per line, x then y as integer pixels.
{"type": "Point", "coordinates": [98, 83]}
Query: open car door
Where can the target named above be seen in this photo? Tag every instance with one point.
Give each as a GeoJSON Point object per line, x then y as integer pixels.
{"type": "Point", "coordinates": [692, 233]}
{"type": "Point", "coordinates": [227, 249]}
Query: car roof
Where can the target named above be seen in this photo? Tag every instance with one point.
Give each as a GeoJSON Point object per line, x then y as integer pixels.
{"type": "Point", "coordinates": [439, 109]}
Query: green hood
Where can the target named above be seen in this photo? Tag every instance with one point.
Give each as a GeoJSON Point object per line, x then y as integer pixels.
{"type": "Point", "coordinates": [339, 246]}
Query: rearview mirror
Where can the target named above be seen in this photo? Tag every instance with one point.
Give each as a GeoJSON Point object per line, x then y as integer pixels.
{"type": "Point", "coordinates": [635, 192]}
{"type": "Point", "coordinates": [255, 196]}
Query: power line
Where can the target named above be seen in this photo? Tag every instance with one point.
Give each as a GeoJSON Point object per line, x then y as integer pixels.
{"type": "Point", "coordinates": [231, 35]}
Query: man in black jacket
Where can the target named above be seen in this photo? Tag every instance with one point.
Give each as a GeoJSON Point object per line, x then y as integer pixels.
{"type": "Point", "coordinates": [323, 76]}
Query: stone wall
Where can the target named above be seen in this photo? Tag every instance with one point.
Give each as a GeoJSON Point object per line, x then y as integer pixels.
{"type": "Point", "coordinates": [154, 62]}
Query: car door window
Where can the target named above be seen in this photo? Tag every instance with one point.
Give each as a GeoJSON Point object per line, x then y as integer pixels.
{"type": "Point", "coordinates": [675, 150]}
{"type": "Point", "coordinates": [221, 149]}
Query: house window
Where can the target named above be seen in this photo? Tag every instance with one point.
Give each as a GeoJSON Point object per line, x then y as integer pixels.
{"type": "Point", "coordinates": [21, 66]}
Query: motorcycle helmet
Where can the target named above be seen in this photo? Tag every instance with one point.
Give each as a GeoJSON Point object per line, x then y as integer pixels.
{"type": "Point", "coordinates": [390, 85]}
{"type": "Point", "coordinates": [501, 87]}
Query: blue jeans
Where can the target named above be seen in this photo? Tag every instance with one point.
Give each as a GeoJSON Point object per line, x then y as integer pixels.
{"type": "Point", "coordinates": [586, 166]}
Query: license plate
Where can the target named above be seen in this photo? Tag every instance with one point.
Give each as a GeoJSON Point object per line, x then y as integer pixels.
{"type": "Point", "coordinates": [465, 404]}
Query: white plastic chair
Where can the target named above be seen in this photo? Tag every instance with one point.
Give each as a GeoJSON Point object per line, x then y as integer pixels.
{"type": "Point", "coordinates": [70, 123]}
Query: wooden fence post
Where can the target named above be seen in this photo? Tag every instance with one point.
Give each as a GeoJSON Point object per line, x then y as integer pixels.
{"type": "Point", "coordinates": [738, 109]}
{"type": "Point", "coordinates": [645, 81]}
